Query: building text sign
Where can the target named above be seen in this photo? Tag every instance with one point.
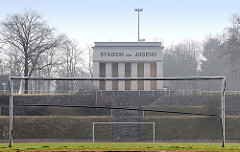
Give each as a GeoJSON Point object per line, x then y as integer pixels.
{"type": "Point", "coordinates": [122, 54]}
{"type": "Point", "coordinates": [127, 55]}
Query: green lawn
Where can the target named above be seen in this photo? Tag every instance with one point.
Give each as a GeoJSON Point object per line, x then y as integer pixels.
{"type": "Point", "coordinates": [80, 146]}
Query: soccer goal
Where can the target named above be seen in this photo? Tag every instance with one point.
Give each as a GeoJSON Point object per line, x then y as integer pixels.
{"type": "Point", "coordinates": [113, 128]}
{"type": "Point", "coordinates": [87, 109]}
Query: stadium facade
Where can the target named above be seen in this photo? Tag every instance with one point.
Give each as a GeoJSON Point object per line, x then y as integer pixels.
{"type": "Point", "coordinates": [128, 59]}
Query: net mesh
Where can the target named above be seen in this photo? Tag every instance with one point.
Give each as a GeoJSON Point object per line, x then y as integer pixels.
{"type": "Point", "coordinates": [174, 109]}
{"type": "Point", "coordinates": [124, 131]}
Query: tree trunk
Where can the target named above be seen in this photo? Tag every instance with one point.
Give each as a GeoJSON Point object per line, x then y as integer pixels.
{"type": "Point", "coordinates": [26, 73]}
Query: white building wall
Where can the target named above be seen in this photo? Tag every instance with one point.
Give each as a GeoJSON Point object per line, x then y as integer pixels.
{"type": "Point", "coordinates": [121, 73]}
{"type": "Point", "coordinates": [134, 85]}
{"type": "Point", "coordinates": [108, 74]}
{"type": "Point", "coordinates": [159, 68]}
{"type": "Point", "coordinates": [147, 73]}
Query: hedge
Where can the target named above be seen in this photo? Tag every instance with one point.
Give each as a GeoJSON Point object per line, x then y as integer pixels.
{"type": "Point", "coordinates": [80, 128]}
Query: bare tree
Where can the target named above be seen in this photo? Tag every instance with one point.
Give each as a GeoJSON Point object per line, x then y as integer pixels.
{"type": "Point", "coordinates": [14, 61]}
{"type": "Point", "coordinates": [182, 60]}
{"type": "Point", "coordinates": [88, 62]}
{"type": "Point", "coordinates": [71, 58]}
{"type": "Point", "coordinates": [2, 64]}
{"type": "Point", "coordinates": [47, 63]}
{"type": "Point", "coordinates": [31, 36]}
{"type": "Point", "coordinates": [231, 49]}
{"type": "Point", "coordinates": [70, 63]}
{"type": "Point", "coordinates": [2, 67]}
{"type": "Point", "coordinates": [232, 39]}
{"type": "Point", "coordinates": [47, 66]}
{"type": "Point", "coordinates": [89, 66]}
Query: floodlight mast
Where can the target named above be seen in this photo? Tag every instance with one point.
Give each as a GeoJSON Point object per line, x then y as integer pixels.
{"type": "Point", "coordinates": [138, 10]}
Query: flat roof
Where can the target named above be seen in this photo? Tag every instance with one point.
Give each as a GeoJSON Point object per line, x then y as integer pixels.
{"type": "Point", "coordinates": [128, 44]}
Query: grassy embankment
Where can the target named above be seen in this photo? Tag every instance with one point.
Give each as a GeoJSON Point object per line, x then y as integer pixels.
{"type": "Point", "coordinates": [80, 127]}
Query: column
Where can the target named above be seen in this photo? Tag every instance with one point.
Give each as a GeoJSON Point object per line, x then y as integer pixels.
{"type": "Point", "coordinates": [121, 73]}
{"type": "Point", "coordinates": [159, 70]}
{"type": "Point", "coordinates": [134, 85]}
{"type": "Point", "coordinates": [147, 73]}
{"type": "Point", "coordinates": [108, 74]}
{"type": "Point", "coordinates": [96, 74]}
{"type": "Point", "coordinates": [153, 74]}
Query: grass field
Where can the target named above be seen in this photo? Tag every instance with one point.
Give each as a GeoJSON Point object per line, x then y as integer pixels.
{"type": "Point", "coordinates": [80, 146]}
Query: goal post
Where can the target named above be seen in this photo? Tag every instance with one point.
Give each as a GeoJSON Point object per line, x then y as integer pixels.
{"type": "Point", "coordinates": [221, 78]}
{"type": "Point", "coordinates": [223, 87]}
{"type": "Point", "coordinates": [140, 123]}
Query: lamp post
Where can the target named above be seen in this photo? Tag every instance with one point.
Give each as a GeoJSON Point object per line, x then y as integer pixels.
{"type": "Point", "coordinates": [141, 40]}
{"type": "Point", "coordinates": [138, 10]}
{"type": "Point", "coordinates": [4, 87]}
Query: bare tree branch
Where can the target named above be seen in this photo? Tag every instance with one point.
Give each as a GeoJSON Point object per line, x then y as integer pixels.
{"type": "Point", "coordinates": [30, 35]}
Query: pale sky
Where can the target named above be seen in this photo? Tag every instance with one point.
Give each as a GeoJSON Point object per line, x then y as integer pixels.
{"type": "Point", "coordinates": [169, 21]}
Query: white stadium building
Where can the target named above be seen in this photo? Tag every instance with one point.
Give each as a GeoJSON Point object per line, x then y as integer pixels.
{"type": "Point", "coordinates": [128, 59]}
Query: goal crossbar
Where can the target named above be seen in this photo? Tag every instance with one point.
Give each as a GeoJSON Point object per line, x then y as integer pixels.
{"type": "Point", "coordinates": [222, 78]}
{"type": "Point", "coordinates": [120, 78]}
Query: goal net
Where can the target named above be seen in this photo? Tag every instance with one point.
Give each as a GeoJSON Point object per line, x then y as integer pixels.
{"type": "Point", "coordinates": [65, 109]}
{"type": "Point", "coordinates": [124, 131]}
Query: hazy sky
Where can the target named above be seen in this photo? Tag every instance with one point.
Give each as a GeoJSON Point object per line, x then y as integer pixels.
{"type": "Point", "coordinates": [170, 21]}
